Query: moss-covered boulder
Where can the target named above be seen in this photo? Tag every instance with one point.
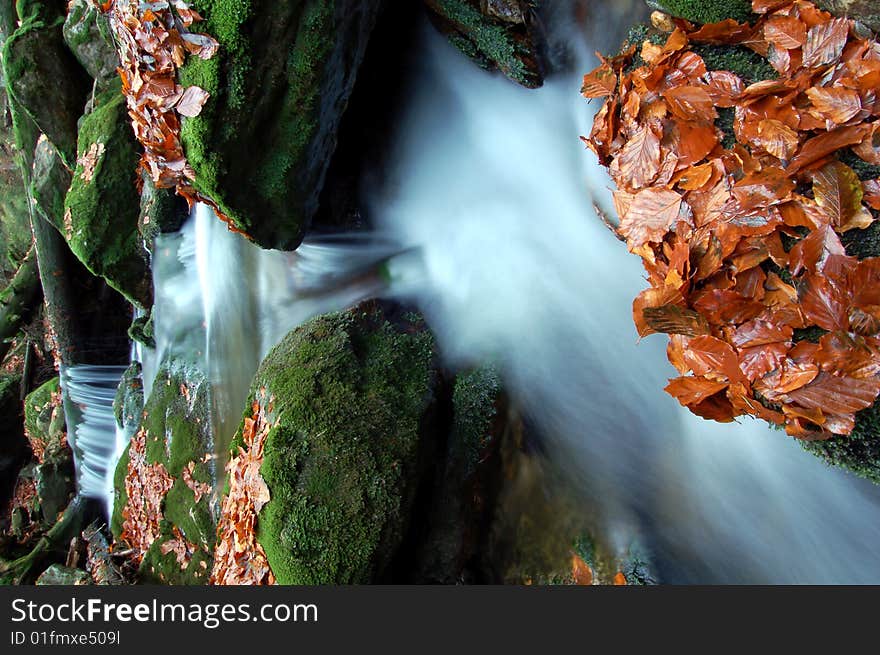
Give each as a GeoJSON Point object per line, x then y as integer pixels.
{"type": "Point", "coordinates": [57, 574]}
{"type": "Point", "coordinates": [87, 33]}
{"type": "Point", "coordinates": [467, 478]}
{"type": "Point", "coordinates": [43, 75]}
{"type": "Point", "coordinates": [128, 405]}
{"type": "Point", "coordinates": [349, 399]}
{"type": "Point", "coordinates": [101, 207]}
{"type": "Point", "coordinates": [161, 211]}
{"type": "Point", "coordinates": [494, 33]}
{"type": "Point", "coordinates": [51, 472]}
{"type": "Point", "coordinates": [279, 85]}
{"type": "Point", "coordinates": [174, 440]}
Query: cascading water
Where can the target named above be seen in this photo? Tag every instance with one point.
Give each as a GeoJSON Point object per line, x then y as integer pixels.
{"type": "Point", "coordinates": [89, 391]}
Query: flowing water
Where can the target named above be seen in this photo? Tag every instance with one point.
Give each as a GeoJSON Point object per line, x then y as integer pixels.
{"type": "Point", "coordinates": [488, 225]}
{"type": "Point", "coordinates": [89, 391]}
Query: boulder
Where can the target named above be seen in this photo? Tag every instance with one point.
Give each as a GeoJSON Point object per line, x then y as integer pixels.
{"type": "Point", "coordinates": [279, 86]}
{"type": "Point", "coordinates": [44, 77]}
{"type": "Point", "coordinates": [495, 34]}
{"type": "Point", "coordinates": [57, 574]}
{"type": "Point", "coordinates": [349, 398]}
{"type": "Point", "coordinates": [101, 207]}
{"type": "Point", "coordinates": [172, 443]}
{"type": "Point", "coordinates": [87, 33]}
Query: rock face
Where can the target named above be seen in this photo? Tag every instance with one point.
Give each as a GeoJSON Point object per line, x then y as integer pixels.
{"type": "Point", "coordinates": [172, 524]}
{"type": "Point", "coordinates": [44, 76]}
{"type": "Point", "coordinates": [87, 33]}
{"type": "Point", "coordinates": [46, 431]}
{"type": "Point", "coordinates": [494, 33]}
{"type": "Point", "coordinates": [101, 208]}
{"type": "Point", "coordinates": [350, 398]}
{"type": "Point", "coordinates": [279, 85]}
{"type": "Point", "coordinates": [467, 479]}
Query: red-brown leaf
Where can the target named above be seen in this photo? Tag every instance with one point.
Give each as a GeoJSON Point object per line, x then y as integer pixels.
{"type": "Point", "coordinates": [825, 42]}
{"type": "Point", "coordinates": [651, 215]}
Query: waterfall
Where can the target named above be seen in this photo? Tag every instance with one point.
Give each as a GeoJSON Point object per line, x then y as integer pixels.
{"type": "Point", "coordinates": [89, 391]}
{"type": "Point", "coordinates": [492, 187]}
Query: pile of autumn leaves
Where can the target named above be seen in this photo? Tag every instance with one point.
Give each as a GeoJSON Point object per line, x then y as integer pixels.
{"type": "Point", "coordinates": [153, 40]}
{"type": "Point", "coordinates": [741, 245]}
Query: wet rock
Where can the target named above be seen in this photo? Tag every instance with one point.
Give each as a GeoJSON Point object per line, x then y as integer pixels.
{"type": "Point", "coordinates": [101, 207]}
{"type": "Point", "coordinates": [467, 480]}
{"type": "Point", "coordinates": [510, 11]}
{"type": "Point", "coordinates": [161, 211]}
{"type": "Point", "coordinates": [87, 33]}
{"type": "Point", "coordinates": [128, 406]}
{"type": "Point", "coordinates": [58, 574]}
{"type": "Point", "coordinates": [279, 86]}
{"type": "Point", "coordinates": [13, 446]}
{"type": "Point", "coordinates": [494, 33]}
{"type": "Point", "coordinates": [44, 76]}
{"type": "Point", "coordinates": [351, 398]}
{"type": "Point", "coordinates": [866, 12]}
{"type": "Point", "coordinates": [46, 432]}
{"type": "Point", "coordinates": [175, 435]}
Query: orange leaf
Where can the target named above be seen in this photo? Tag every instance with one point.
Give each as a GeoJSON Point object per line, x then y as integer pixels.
{"type": "Point", "coordinates": [838, 191]}
{"type": "Point", "coordinates": [825, 42]}
{"type": "Point", "coordinates": [690, 103]}
{"type": "Point", "coordinates": [777, 138]}
{"type": "Point", "coordinates": [691, 390]}
{"type": "Point", "coordinates": [581, 571]}
{"type": "Point", "coordinates": [785, 32]}
{"type": "Point", "coordinates": [651, 215]}
{"type": "Point", "coordinates": [639, 160]}
{"type": "Point", "coordinates": [835, 103]}
{"type": "Point", "coordinates": [599, 83]}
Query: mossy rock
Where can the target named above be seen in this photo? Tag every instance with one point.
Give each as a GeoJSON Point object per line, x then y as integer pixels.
{"type": "Point", "coordinates": [858, 452]}
{"type": "Point", "coordinates": [490, 40]}
{"type": "Point", "coordinates": [279, 85]}
{"type": "Point", "coordinates": [44, 420]}
{"type": "Point", "coordinates": [87, 33]}
{"type": "Point", "coordinates": [101, 208]}
{"type": "Point", "coordinates": [177, 429]}
{"type": "Point", "coordinates": [350, 397]}
{"type": "Point", "coordinates": [866, 12]}
{"type": "Point", "coordinates": [161, 211]}
{"type": "Point", "coordinates": [468, 475]}
{"type": "Point", "coordinates": [128, 405]}
{"type": "Point", "coordinates": [44, 77]}
{"type": "Point", "coordinates": [705, 11]}
{"type": "Point", "coordinates": [58, 574]}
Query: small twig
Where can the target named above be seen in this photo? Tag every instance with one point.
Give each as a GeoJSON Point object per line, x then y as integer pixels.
{"type": "Point", "coordinates": [608, 223]}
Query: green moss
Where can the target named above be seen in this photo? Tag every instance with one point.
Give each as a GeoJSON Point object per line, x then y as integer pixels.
{"type": "Point", "coordinates": [746, 63]}
{"type": "Point", "coordinates": [474, 401]}
{"type": "Point", "coordinates": [128, 404]}
{"type": "Point", "coordinates": [348, 393]}
{"type": "Point", "coordinates": [101, 211]}
{"type": "Point", "coordinates": [157, 568]}
{"type": "Point", "coordinates": [705, 11]}
{"type": "Point", "coordinates": [120, 495]}
{"type": "Point", "coordinates": [493, 40]}
{"type": "Point", "coordinates": [280, 80]}
{"type": "Point", "coordinates": [177, 434]}
{"type": "Point", "coordinates": [859, 452]}
{"type": "Point", "coordinates": [38, 408]}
